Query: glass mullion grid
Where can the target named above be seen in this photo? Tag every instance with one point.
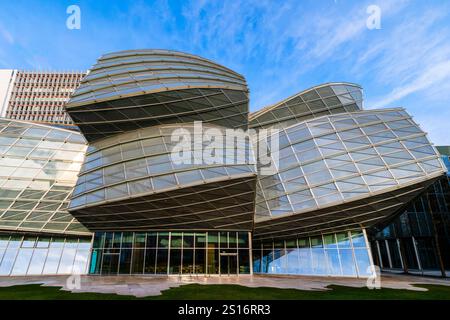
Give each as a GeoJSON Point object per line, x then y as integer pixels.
{"type": "Point", "coordinates": [421, 164]}
{"type": "Point", "coordinates": [331, 119]}
{"type": "Point", "coordinates": [145, 255]}
{"type": "Point", "coordinates": [398, 165]}
{"type": "Point", "coordinates": [32, 255]}
{"type": "Point", "coordinates": [132, 250]}
{"type": "Point", "coordinates": [282, 182]}
{"type": "Point", "coordinates": [183, 248]}
{"type": "Point", "coordinates": [138, 66]}
{"type": "Point", "coordinates": [354, 263]}
{"type": "Point", "coordinates": [228, 196]}
{"type": "Point", "coordinates": [15, 256]}
{"type": "Point", "coordinates": [195, 252]}
{"type": "Point", "coordinates": [143, 156]}
{"type": "Point", "coordinates": [304, 176]}
{"type": "Point", "coordinates": [333, 180]}
{"type": "Point", "coordinates": [325, 253]}
{"type": "Point", "coordinates": [344, 151]}
{"type": "Point", "coordinates": [178, 205]}
{"type": "Point", "coordinates": [168, 252]}
{"type": "Point", "coordinates": [85, 193]}
{"type": "Point", "coordinates": [66, 229]}
{"type": "Point", "coordinates": [219, 247]}
{"type": "Point", "coordinates": [326, 250]}
{"type": "Point", "coordinates": [156, 251]}
{"type": "Point", "coordinates": [36, 249]}
{"type": "Point", "coordinates": [18, 167]}
{"type": "Point", "coordinates": [102, 250]}
{"type": "Point", "coordinates": [386, 166]}
{"type": "Point", "coordinates": [74, 257]}
{"type": "Point", "coordinates": [343, 130]}
{"type": "Point", "coordinates": [209, 74]}
{"type": "Point", "coordinates": [119, 249]}
{"type": "Point", "coordinates": [178, 115]}
{"type": "Point", "coordinates": [349, 234]}
{"type": "Point", "coordinates": [5, 247]}
{"type": "Point", "coordinates": [207, 253]}
{"type": "Point", "coordinates": [53, 212]}
{"type": "Point", "coordinates": [283, 105]}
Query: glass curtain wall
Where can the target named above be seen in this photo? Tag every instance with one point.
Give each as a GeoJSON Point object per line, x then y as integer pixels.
{"type": "Point", "coordinates": [31, 255]}
{"type": "Point", "coordinates": [417, 241]}
{"type": "Point", "coordinates": [334, 254]}
{"type": "Point", "coordinates": [171, 253]}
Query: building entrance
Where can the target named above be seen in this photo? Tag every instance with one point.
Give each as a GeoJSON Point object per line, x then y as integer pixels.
{"type": "Point", "coordinates": [228, 262]}
{"type": "Point", "coordinates": [164, 252]}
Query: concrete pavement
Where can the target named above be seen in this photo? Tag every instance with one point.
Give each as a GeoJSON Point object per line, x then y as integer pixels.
{"type": "Point", "coordinates": [142, 286]}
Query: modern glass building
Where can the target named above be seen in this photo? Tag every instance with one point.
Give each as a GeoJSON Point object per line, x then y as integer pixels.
{"type": "Point", "coordinates": [178, 217]}
{"type": "Point", "coordinates": [417, 241]}
{"type": "Point", "coordinates": [341, 177]}
{"type": "Point", "coordinates": [342, 172]}
{"type": "Point", "coordinates": [39, 168]}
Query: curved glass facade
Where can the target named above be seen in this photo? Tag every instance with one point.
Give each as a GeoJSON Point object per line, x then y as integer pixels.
{"type": "Point", "coordinates": [127, 73]}
{"type": "Point", "coordinates": [340, 175]}
{"type": "Point", "coordinates": [140, 163]}
{"type": "Point", "coordinates": [334, 160]}
{"type": "Point", "coordinates": [341, 169]}
{"type": "Point", "coordinates": [128, 107]}
{"type": "Point", "coordinates": [39, 169]}
{"type": "Point", "coordinates": [142, 88]}
{"type": "Point", "coordinates": [326, 99]}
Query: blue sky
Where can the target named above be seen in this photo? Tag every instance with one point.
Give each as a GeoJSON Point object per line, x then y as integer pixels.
{"type": "Point", "coordinates": [281, 47]}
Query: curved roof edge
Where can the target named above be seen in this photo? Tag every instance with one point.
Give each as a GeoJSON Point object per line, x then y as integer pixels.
{"type": "Point", "coordinates": [75, 101]}
{"type": "Point", "coordinates": [273, 106]}
{"type": "Point", "coordinates": [40, 124]}
{"type": "Point", "coordinates": [137, 52]}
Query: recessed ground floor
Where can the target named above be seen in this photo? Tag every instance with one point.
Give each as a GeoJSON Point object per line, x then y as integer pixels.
{"type": "Point", "coordinates": [229, 253]}
{"type": "Point", "coordinates": [204, 253]}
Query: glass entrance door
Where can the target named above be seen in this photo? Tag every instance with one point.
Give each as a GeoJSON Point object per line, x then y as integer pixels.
{"type": "Point", "coordinates": [228, 262]}
{"type": "Point", "coordinates": [171, 253]}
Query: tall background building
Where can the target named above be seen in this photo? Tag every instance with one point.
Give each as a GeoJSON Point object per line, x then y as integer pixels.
{"type": "Point", "coordinates": [40, 162]}
{"type": "Point", "coordinates": [37, 96]}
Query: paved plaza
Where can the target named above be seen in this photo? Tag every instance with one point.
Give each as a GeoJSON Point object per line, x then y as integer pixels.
{"type": "Point", "coordinates": [142, 286]}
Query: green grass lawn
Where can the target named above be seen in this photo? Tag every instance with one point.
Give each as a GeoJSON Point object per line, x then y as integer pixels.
{"type": "Point", "coordinates": [232, 292]}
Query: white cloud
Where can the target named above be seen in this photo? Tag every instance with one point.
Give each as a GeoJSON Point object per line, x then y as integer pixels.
{"type": "Point", "coordinates": [432, 76]}
{"type": "Point", "coordinates": [6, 35]}
{"type": "Point", "coordinates": [413, 57]}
